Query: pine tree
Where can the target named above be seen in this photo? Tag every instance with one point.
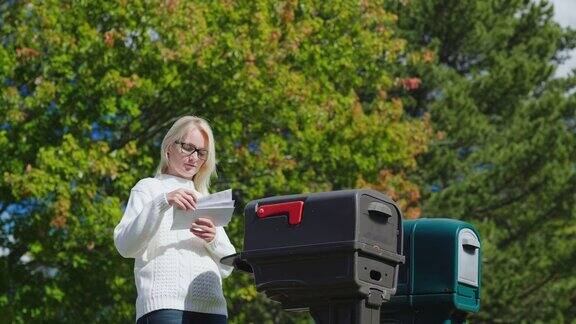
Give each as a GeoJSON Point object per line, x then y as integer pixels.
{"type": "Point", "coordinates": [504, 152]}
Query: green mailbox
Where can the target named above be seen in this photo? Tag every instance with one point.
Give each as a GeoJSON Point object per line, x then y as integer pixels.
{"type": "Point", "coordinates": [440, 280]}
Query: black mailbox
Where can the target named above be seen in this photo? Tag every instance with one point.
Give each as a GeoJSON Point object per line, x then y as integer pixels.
{"type": "Point", "coordinates": [334, 253]}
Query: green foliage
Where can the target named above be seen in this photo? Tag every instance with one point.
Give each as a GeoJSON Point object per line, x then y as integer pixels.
{"type": "Point", "coordinates": [302, 95]}
{"type": "Point", "coordinates": [505, 146]}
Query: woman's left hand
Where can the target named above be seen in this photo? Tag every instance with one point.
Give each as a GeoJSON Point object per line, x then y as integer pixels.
{"type": "Point", "coordinates": [204, 229]}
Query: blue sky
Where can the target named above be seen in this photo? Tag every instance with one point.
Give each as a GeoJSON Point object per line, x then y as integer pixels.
{"type": "Point", "coordinates": [565, 12]}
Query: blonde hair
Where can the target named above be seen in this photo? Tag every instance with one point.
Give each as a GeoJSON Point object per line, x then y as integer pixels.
{"type": "Point", "coordinates": [176, 133]}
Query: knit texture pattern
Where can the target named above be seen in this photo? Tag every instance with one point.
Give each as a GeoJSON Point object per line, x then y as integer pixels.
{"type": "Point", "coordinates": [173, 268]}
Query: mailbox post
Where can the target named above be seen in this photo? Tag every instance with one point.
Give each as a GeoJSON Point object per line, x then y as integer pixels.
{"type": "Point", "coordinates": [440, 280]}
{"type": "Point", "coordinates": [336, 254]}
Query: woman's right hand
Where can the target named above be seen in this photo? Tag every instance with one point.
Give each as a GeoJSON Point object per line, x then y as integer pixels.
{"type": "Point", "coordinates": [184, 199]}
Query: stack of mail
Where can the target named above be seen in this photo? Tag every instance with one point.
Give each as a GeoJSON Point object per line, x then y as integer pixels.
{"type": "Point", "coordinates": [218, 207]}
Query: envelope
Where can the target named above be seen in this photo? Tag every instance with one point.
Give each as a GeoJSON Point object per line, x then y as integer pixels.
{"type": "Point", "coordinates": [218, 207]}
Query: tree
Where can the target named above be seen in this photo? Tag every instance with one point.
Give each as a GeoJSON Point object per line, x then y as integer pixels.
{"type": "Point", "coordinates": [504, 150]}
{"type": "Point", "coordinates": [303, 96]}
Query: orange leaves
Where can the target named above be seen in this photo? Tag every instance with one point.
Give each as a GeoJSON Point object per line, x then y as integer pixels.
{"type": "Point", "coordinates": [171, 5]}
{"type": "Point", "coordinates": [274, 36]}
{"type": "Point", "coordinates": [357, 111]}
{"type": "Point", "coordinates": [440, 135]}
{"type": "Point", "coordinates": [382, 94]}
{"type": "Point", "coordinates": [428, 56]}
{"type": "Point", "coordinates": [412, 213]}
{"type": "Point", "coordinates": [27, 53]}
{"type": "Point", "coordinates": [169, 54]}
{"type": "Point", "coordinates": [411, 84]}
{"type": "Point", "coordinates": [287, 15]}
{"type": "Point", "coordinates": [424, 56]}
{"type": "Point", "coordinates": [61, 209]}
{"type": "Point", "coordinates": [109, 38]}
{"type": "Point", "coordinates": [124, 84]}
{"type": "Point", "coordinates": [288, 11]}
{"type": "Point", "coordinates": [397, 46]}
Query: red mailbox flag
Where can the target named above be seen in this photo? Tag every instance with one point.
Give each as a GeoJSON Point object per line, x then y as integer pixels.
{"type": "Point", "coordinates": [292, 208]}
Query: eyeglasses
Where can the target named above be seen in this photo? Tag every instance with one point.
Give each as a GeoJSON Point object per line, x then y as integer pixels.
{"type": "Point", "coordinates": [188, 149]}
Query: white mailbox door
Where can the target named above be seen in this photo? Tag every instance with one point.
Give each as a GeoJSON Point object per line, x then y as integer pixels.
{"type": "Point", "coordinates": [468, 257]}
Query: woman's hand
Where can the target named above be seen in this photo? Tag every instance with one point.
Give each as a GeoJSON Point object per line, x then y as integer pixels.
{"type": "Point", "coordinates": [184, 199]}
{"type": "Point", "coordinates": [204, 229]}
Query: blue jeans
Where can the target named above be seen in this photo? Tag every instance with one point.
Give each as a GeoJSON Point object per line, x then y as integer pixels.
{"type": "Point", "coordinates": [173, 316]}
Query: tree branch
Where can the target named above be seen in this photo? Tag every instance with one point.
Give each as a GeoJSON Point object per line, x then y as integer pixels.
{"type": "Point", "coordinates": [154, 126]}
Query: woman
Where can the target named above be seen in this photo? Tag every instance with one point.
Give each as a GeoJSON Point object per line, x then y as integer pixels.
{"type": "Point", "coordinates": [177, 272]}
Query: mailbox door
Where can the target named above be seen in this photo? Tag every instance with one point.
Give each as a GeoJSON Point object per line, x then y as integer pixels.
{"type": "Point", "coordinates": [468, 271]}
{"type": "Point", "coordinates": [379, 223]}
{"type": "Point", "coordinates": [468, 257]}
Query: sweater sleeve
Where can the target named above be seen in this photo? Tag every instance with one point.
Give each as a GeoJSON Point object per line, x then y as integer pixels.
{"type": "Point", "coordinates": [220, 247]}
{"type": "Point", "coordinates": [140, 221]}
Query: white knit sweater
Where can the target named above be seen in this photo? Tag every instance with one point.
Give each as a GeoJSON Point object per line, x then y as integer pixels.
{"type": "Point", "coordinates": [173, 268]}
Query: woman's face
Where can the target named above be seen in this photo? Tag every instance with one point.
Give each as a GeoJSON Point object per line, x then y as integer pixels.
{"type": "Point", "coordinates": [186, 157]}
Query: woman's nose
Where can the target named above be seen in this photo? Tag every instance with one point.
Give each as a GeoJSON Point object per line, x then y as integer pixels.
{"type": "Point", "coordinates": [193, 156]}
